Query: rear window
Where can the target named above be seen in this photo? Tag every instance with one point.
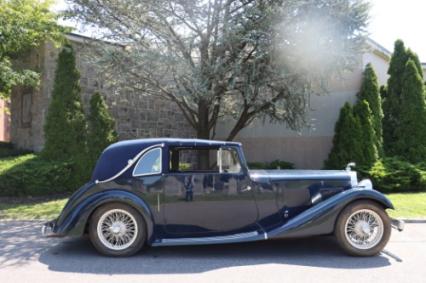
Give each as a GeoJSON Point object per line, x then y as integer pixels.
{"type": "Point", "coordinates": [149, 163]}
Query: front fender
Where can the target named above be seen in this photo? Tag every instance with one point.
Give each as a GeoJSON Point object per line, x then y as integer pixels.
{"type": "Point", "coordinates": [321, 218]}
{"type": "Point", "coordinates": [74, 223]}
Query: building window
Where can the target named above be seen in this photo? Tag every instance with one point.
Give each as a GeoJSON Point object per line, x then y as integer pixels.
{"type": "Point", "coordinates": [26, 110]}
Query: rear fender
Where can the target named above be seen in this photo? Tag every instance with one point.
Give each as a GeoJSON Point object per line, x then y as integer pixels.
{"type": "Point", "coordinates": [321, 218]}
{"type": "Point", "coordinates": [75, 222]}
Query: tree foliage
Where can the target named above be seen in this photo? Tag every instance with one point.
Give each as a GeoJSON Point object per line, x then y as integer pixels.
{"type": "Point", "coordinates": [237, 59]}
{"type": "Point", "coordinates": [392, 101]}
{"type": "Point", "coordinates": [411, 132]}
{"type": "Point", "coordinates": [370, 93]}
{"type": "Point", "coordinates": [101, 130]}
{"type": "Point", "coordinates": [393, 121]}
{"type": "Point", "coordinates": [65, 127]}
{"type": "Point", "coordinates": [358, 131]}
{"type": "Point", "coordinates": [368, 139]}
{"type": "Point", "coordinates": [24, 24]}
{"type": "Point", "coordinates": [346, 147]}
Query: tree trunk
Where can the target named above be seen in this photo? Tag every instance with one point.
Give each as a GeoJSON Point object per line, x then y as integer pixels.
{"type": "Point", "coordinates": [203, 132]}
{"type": "Point", "coordinates": [239, 125]}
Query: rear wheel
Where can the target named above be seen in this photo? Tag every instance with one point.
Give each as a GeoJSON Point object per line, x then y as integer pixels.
{"type": "Point", "coordinates": [363, 229]}
{"type": "Point", "coordinates": [117, 230]}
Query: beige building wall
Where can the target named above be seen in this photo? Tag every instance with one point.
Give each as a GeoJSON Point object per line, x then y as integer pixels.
{"type": "Point", "coordinates": [309, 147]}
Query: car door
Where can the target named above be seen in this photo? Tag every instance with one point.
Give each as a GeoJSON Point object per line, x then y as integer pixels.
{"type": "Point", "coordinates": [207, 193]}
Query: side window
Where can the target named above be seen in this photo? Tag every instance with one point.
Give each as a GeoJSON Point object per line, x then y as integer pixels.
{"type": "Point", "coordinates": [229, 161]}
{"type": "Point", "coordinates": [193, 160]}
{"type": "Point", "coordinates": [149, 163]}
{"type": "Point", "coordinates": [209, 160]}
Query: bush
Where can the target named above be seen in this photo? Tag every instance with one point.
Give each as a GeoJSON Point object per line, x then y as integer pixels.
{"type": "Point", "coordinates": [370, 92]}
{"type": "Point", "coordinates": [346, 141]}
{"type": "Point", "coordinates": [367, 140]}
{"type": "Point", "coordinates": [101, 131]}
{"type": "Point", "coordinates": [271, 165]}
{"type": "Point", "coordinates": [65, 128]}
{"type": "Point", "coordinates": [411, 132]}
{"type": "Point", "coordinates": [395, 175]}
{"type": "Point", "coordinates": [30, 175]}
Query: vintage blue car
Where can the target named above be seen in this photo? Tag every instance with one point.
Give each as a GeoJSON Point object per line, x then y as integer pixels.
{"type": "Point", "coordinates": [163, 192]}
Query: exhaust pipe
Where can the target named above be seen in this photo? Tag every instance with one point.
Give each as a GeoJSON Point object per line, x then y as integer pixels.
{"type": "Point", "coordinates": [398, 224]}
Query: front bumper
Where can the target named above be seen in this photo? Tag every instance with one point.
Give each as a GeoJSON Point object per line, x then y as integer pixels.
{"type": "Point", "coordinates": [398, 224]}
{"type": "Point", "coordinates": [48, 229]}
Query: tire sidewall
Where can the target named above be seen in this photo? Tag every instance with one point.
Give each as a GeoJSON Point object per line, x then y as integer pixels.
{"type": "Point", "coordinates": [93, 233]}
{"type": "Point", "coordinates": [340, 232]}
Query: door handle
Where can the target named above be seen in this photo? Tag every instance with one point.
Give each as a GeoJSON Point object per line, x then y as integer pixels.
{"type": "Point", "coordinates": [248, 188]}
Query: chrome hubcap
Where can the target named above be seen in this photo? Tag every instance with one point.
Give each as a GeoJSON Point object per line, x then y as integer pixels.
{"type": "Point", "coordinates": [364, 229]}
{"type": "Point", "coordinates": [117, 229]}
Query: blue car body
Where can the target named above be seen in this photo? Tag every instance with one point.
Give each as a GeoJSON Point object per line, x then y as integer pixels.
{"type": "Point", "coordinates": [214, 207]}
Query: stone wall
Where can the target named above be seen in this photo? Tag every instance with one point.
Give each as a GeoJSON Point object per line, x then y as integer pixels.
{"type": "Point", "coordinates": [136, 116]}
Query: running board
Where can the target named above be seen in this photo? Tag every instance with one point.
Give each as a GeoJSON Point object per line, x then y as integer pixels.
{"type": "Point", "coordinates": [235, 238]}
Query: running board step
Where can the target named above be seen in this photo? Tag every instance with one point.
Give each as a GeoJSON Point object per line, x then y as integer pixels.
{"type": "Point", "coordinates": [235, 238]}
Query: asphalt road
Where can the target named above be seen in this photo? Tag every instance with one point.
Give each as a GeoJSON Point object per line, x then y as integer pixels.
{"type": "Point", "coordinates": [26, 257]}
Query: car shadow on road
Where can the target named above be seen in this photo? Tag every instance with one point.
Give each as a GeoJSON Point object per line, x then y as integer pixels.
{"type": "Point", "coordinates": [77, 255]}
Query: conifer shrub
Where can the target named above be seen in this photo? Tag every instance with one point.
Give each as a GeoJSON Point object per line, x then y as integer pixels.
{"type": "Point", "coordinates": [370, 92]}
{"type": "Point", "coordinates": [65, 127]}
{"type": "Point", "coordinates": [101, 128]}
{"type": "Point", "coordinates": [411, 132]}
{"type": "Point", "coordinates": [346, 146]}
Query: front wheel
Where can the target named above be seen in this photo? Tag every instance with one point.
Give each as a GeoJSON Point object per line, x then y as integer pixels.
{"type": "Point", "coordinates": [363, 229]}
{"type": "Point", "coordinates": [117, 230]}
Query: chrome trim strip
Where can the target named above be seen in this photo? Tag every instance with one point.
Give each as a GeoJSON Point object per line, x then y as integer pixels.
{"type": "Point", "coordinates": [210, 239]}
{"type": "Point", "coordinates": [130, 163]}
{"type": "Point", "coordinates": [294, 174]}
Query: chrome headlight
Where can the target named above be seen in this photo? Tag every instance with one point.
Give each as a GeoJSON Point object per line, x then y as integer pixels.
{"type": "Point", "coordinates": [354, 178]}
{"type": "Point", "coordinates": [366, 184]}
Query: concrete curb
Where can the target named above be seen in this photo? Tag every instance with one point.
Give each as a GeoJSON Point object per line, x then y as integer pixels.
{"type": "Point", "coordinates": [413, 220]}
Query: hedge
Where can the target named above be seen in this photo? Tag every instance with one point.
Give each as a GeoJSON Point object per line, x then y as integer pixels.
{"type": "Point", "coordinates": [395, 175]}
{"type": "Point", "coordinates": [30, 175]}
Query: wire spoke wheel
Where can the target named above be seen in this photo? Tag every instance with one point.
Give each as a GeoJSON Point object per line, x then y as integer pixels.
{"type": "Point", "coordinates": [117, 229]}
{"type": "Point", "coordinates": [364, 229]}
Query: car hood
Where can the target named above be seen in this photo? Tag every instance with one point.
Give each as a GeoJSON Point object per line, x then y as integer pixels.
{"type": "Point", "coordinates": [277, 175]}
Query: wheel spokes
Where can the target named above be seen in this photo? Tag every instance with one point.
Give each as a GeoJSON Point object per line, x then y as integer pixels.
{"type": "Point", "coordinates": [117, 229]}
{"type": "Point", "coordinates": [364, 229]}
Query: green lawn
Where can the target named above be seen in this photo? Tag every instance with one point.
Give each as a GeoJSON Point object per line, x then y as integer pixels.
{"type": "Point", "coordinates": [408, 205]}
{"type": "Point", "coordinates": [32, 210]}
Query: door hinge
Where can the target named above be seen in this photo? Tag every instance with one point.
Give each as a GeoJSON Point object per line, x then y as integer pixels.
{"type": "Point", "coordinates": [285, 213]}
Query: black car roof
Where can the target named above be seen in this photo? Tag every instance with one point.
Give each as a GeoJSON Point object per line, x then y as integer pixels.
{"type": "Point", "coordinates": [142, 143]}
{"type": "Point", "coordinates": [116, 156]}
